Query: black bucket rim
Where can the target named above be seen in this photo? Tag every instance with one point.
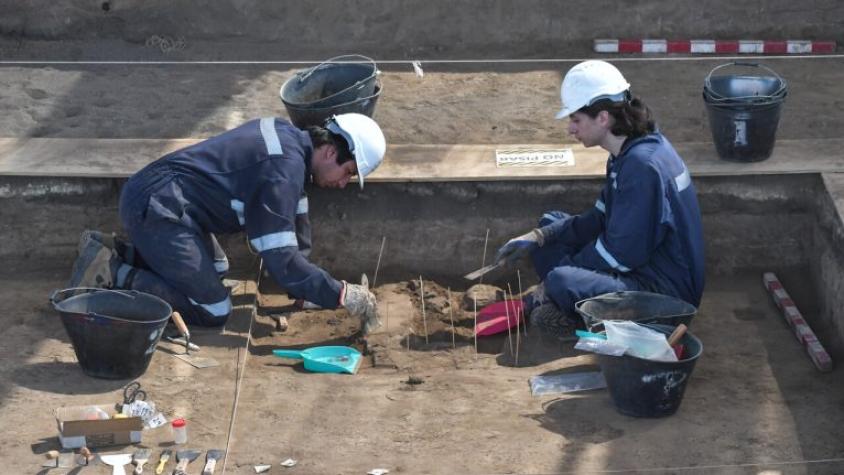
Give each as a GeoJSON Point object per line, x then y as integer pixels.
{"type": "Point", "coordinates": [127, 293]}
{"type": "Point", "coordinates": [708, 91]}
{"type": "Point", "coordinates": [586, 317]}
{"type": "Point", "coordinates": [378, 89]}
{"type": "Point", "coordinates": [305, 73]}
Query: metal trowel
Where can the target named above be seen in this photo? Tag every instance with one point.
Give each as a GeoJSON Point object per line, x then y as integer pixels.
{"type": "Point", "coordinates": [117, 461]}
{"type": "Point", "coordinates": [211, 459]}
{"type": "Point", "coordinates": [483, 270]}
{"type": "Point", "coordinates": [184, 457]}
{"type": "Point", "coordinates": [193, 360]}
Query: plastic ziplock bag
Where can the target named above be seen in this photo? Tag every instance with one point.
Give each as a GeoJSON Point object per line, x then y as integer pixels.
{"type": "Point", "coordinates": [640, 341]}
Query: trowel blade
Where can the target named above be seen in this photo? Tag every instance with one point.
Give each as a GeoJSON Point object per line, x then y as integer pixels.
{"type": "Point", "coordinates": [198, 361]}
{"type": "Point", "coordinates": [483, 270]}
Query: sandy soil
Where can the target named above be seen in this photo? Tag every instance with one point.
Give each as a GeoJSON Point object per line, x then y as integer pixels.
{"type": "Point", "coordinates": [452, 103]}
{"type": "Point", "coordinates": [754, 397]}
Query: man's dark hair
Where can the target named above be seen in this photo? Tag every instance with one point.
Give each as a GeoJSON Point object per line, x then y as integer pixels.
{"type": "Point", "coordinates": [322, 136]}
{"type": "Point", "coordinates": [632, 116]}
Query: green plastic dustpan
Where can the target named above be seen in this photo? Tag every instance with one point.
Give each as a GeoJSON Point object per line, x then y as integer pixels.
{"type": "Point", "coordinates": [326, 359]}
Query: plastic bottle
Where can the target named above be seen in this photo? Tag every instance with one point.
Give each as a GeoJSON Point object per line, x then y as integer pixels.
{"type": "Point", "coordinates": [180, 431]}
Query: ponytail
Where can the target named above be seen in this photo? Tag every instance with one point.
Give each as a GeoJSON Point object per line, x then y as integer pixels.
{"type": "Point", "coordinates": [633, 118]}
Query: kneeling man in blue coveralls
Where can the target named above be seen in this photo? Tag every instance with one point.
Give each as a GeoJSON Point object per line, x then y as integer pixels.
{"type": "Point", "coordinates": [251, 179]}
{"type": "Point", "coordinates": [643, 233]}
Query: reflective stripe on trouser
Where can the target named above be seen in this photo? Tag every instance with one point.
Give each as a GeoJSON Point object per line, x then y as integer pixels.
{"type": "Point", "coordinates": [181, 267]}
{"type": "Point", "coordinates": [565, 285]}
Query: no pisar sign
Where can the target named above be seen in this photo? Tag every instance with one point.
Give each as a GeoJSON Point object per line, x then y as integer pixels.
{"type": "Point", "coordinates": [534, 158]}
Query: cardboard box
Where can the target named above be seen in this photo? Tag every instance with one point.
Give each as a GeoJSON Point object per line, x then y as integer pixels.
{"type": "Point", "coordinates": [79, 427]}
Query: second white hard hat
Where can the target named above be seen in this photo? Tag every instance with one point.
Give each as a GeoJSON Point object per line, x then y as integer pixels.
{"type": "Point", "coordinates": [588, 82]}
{"type": "Point", "coordinates": [365, 138]}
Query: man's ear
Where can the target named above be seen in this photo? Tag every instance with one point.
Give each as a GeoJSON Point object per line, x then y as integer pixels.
{"type": "Point", "coordinates": [331, 153]}
{"type": "Point", "coordinates": [604, 118]}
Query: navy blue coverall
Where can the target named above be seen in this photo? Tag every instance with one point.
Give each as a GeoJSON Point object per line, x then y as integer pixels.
{"type": "Point", "coordinates": [644, 232]}
{"type": "Point", "coordinates": [250, 178]}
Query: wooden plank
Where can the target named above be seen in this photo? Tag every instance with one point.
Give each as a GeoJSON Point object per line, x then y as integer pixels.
{"type": "Point", "coordinates": [406, 162]}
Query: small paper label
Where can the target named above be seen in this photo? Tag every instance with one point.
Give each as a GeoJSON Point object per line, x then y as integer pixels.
{"type": "Point", "coordinates": [534, 158]}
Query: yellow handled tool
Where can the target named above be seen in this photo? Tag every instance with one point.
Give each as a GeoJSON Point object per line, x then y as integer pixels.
{"type": "Point", "coordinates": [162, 461]}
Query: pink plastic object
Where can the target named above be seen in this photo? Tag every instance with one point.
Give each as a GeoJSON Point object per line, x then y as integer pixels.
{"type": "Point", "coordinates": [493, 319]}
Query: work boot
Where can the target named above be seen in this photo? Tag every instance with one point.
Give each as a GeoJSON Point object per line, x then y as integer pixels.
{"type": "Point", "coordinates": [125, 250]}
{"type": "Point", "coordinates": [550, 320]}
{"type": "Point", "coordinates": [96, 265]}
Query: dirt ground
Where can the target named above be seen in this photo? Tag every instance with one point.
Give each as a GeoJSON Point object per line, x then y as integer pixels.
{"type": "Point", "coordinates": [451, 104]}
{"type": "Point", "coordinates": [754, 404]}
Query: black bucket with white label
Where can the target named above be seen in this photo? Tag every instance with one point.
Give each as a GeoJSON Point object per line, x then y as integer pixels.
{"type": "Point", "coordinates": [744, 112]}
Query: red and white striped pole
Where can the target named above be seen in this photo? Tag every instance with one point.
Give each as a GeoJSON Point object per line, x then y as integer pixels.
{"type": "Point", "coordinates": [661, 46]}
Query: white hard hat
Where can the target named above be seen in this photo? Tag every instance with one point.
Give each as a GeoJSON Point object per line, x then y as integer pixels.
{"type": "Point", "coordinates": [365, 139]}
{"type": "Point", "coordinates": [588, 82]}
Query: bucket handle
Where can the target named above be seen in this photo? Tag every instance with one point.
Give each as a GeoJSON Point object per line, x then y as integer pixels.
{"type": "Point", "coordinates": [303, 75]}
{"type": "Point", "coordinates": [707, 83]}
{"type": "Point", "coordinates": [132, 294]}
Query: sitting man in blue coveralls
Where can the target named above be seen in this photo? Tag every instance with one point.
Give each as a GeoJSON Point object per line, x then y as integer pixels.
{"type": "Point", "coordinates": [250, 178]}
{"type": "Point", "coordinates": [644, 232]}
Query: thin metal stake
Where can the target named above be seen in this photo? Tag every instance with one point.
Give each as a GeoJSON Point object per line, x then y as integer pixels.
{"type": "Point", "coordinates": [483, 260]}
{"type": "Point", "coordinates": [524, 317]}
{"type": "Point", "coordinates": [517, 325]}
{"type": "Point", "coordinates": [451, 317]}
{"type": "Point", "coordinates": [475, 303]}
{"type": "Point", "coordinates": [378, 265]}
{"type": "Point", "coordinates": [424, 318]}
{"type": "Point", "coordinates": [509, 333]}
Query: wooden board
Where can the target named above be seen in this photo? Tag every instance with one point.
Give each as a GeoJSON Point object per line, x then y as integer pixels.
{"type": "Point", "coordinates": [406, 162]}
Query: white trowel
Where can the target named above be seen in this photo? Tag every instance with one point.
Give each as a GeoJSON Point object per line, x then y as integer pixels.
{"type": "Point", "coordinates": [117, 461]}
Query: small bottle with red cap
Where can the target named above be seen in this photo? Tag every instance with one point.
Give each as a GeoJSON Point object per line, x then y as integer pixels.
{"type": "Point", "coordinates": [180, 431]}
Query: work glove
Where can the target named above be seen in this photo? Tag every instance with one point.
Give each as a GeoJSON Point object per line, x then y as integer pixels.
{"type": "Point", "coordinates": [520, 246]}
{"type": "Point", "coordinates": [360, 302]}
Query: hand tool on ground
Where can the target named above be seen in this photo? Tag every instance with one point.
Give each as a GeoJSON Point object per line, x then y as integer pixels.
{"type": "Point", "coordinates": [183, 329]}
{"type": "Point", "coordinates": [183, 342]}
{"type": "Point", "coordinates": [131, 393]}
{"type": "Point", "coordinates": [139, 459]}
{"type": "Point", "coordinates": [211, 459]}
{"type": "Point", "coordinates": [183, 458]}
{"type": "Point", "coordinates": [483, 270]}
{"type": "Point", "coordinates": [117, 461]}
{"type": "Point", "coordinates": [85, 457]}
{"type": "Point", "coordinates": [326, 359]}
{"type": "Point", "coordinates": [195, 361]}
{"type": "Point", "coordinates": [162, 461]}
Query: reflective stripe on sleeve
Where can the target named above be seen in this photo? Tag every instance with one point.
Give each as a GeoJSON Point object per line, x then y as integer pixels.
{"type": "Point", "coordinates": [270, 136]}
{"type": "Point", "coordinates": [599, 246]}
{"type": "Point", "coordinates": [219, 309]}
{"type": "Point", "coordinates": [600, 205]}
{"type": "Point", "coordinates": [221, 265]}
{"type": "Point", "coordinates": [683, 180]}
{"type": "Point", "coordinates": [302, 207]}
{"type": "Point", "coordinates": [275, 240]}
{"type": "Point", "coordinates": [238, 207]}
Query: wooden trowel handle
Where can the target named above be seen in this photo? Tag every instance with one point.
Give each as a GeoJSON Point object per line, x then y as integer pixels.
{"type": "Point", "coordinates": [180, 324]}
{"type": "Point", "coordinates": [677, 334]}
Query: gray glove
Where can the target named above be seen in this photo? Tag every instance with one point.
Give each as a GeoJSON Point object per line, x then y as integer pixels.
{"type": "Point", "coordinates": [360, 302]}
{"type": "Point", "coordinates": [520, 246]}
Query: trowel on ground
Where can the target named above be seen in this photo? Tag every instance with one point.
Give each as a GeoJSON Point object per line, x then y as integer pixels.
{"type": "Point", "coordinates": [211, 459]}
{"type": "Point", "coordinates": [193, 360]}
{"type": "Point", "coordinates": [183, 458]}
{"type": "Point", "coordinates": [117, 461]}
{"type": "Point", "coordinates": [139, 459]}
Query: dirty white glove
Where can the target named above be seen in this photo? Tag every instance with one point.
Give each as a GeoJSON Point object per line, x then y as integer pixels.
{"type": "Point", "coordinates": [360, 302]}
{"type": "Point", "coordinates": [520, 246]}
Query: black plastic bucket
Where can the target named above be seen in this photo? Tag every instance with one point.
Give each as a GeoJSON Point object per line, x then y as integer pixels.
{"type": "Point", "coordinates": [641, 307]}
{"type": "Point", "coordinates": [339, 80]}
{"type": "Point", "coordinates": [744, 112]}
{"type": "Point", "coordinates": [305, 116]}
{"type": "Point", "coordinates": [645, 388]}
{"type": "Point", "coordinates": [113, 332]}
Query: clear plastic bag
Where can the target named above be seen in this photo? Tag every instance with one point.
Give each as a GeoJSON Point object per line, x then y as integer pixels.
{"type": "Point", "coordinates": [640, 341]}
